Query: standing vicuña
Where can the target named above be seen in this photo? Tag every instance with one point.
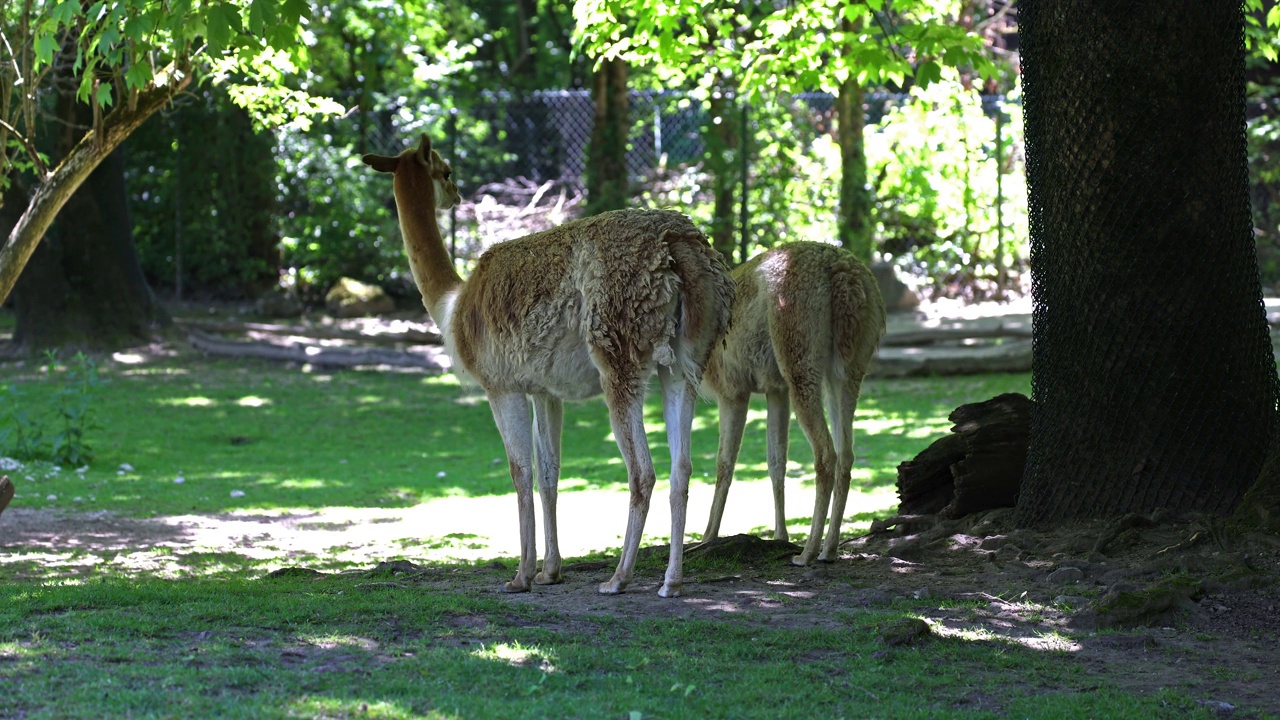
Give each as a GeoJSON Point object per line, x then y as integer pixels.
{"type": "Point", "coordinates": [807, 318]}
{"type": "Point", "coordinates": [596, 305]}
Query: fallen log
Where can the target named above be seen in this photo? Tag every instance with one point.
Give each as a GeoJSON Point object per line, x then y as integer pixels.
{"type": "Point", "coordinates": [979, 466]}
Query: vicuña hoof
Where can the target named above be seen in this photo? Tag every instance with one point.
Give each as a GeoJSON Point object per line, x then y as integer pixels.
{"type": "Point", "coordinates": [612, 587]}
{"type": "Point", "coordinates": [543, 579]}
{"type": "Point", "coordinates": [800, 561]}
{"type": "Point", "coordinates": [515, 587]}
{"type": "Point", "coordinates": [669, 591]}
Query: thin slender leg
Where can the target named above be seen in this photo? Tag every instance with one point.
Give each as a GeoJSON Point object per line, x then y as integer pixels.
{"type": "Point", "coordinates": [548, 417]}
{"type": "Point", "coordinates": [807, 398]}
{"type": "Point", "coordinates": [778, 427]}
{"type": "Point", "coordinates": [678, 398]}
{"type": "Point", "coordinates": [628, 428]}
{"type": "Point", "coordinates": [842, 404]}
{"type": "Point", "coordinates": [733, 419]}
{"type": "Point", "coordinates": [511, 415]}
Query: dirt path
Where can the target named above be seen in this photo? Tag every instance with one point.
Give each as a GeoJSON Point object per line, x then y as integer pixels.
{"type": "Point", "coordinates": [976, 581]}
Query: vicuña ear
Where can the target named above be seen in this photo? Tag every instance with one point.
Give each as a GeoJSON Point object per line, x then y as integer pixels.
{"type": "Point", "coordinates": [381, 163]}
{"type": "Point", "coordinates": [424, 150]}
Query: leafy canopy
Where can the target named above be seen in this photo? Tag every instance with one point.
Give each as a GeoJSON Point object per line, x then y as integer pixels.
{"type": "Point", "coordinates": [802, 45]}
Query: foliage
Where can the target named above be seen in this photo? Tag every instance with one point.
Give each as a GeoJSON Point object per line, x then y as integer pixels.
{"type": "Point", "coordinates": [1262, 74]}
{"type": "Point", "coordinates": [202, 198]}
{"type": "Point", "coordinates": [935, 175]}
{"type": "Point", "coordinates": [787, 48]}
{"type": "Point", "coordinates": [56, 434]}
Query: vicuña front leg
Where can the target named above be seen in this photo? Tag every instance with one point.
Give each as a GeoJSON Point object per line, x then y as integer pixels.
{"type": "Point", "coordinates": [628, 427]}
{"type": "Point", "coordinates": [778, 427]}
{"type": "Point", "coordinates": [511, 415]}
{"type": "Point", "coordinates": [548, 416]}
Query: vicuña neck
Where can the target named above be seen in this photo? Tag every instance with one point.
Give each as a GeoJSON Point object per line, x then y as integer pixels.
{"type": "Point", "coordinates": [430, 262]}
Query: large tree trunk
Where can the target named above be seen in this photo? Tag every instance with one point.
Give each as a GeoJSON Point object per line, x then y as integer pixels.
{"type": "Point", "coordinates": [1153, 378]}
{"type": "Point", "coordinates": [83, 286]}
{"type": "Point", "coordinates": [854, 221]}
{"type": "Point", "coordinates": [607, 154]}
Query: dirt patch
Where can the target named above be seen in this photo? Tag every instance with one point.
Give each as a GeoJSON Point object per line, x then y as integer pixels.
{"type": "Point", "coordinates": [1171, 604]}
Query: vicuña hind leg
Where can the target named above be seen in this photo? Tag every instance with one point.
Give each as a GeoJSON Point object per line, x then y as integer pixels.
{"type": "Point", "coordinates": [628, 428]}
{"type": "Point", "coordinates": [778, 427]}
{"type": "Point", "coordinates": [678, 397]}
{"type": "Point", "coordinates": [511, 415]}
{"type": "Point", "coordinates": [807, 398]}
{"type": "Point", "coordinates": [733, 418]}
{"type": "Point", "coordinates": [548, 414]}
{"type": "Point", "coordinates": [842, 404]}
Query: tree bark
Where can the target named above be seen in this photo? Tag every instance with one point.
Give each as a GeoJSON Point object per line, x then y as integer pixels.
{"type": "Point", "coordinates": [83, 286]}
{"type": "Point", "coordinates": [607, 153]}
{"type": "Point", "coordinates": [55, 190]}
{"type": "Point", "coordinates": [1153, 377]}
{"type": "Point", "coordinates": [723, 145]}
{"type": "Point", "coordinates": [853, 224]}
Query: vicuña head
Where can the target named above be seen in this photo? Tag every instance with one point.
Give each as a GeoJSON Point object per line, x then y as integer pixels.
{"type": "Point", "coordinates": [422, 186]}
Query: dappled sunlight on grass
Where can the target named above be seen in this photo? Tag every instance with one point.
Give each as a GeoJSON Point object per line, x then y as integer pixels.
{"type": "Point", "coordinates": [325, 707]}
{"type": "Point", "coordinates": [193, 401]}
{"type": "Point", "coordinates": [253, 401]}
{"type": "Point", "coordinates": [517, 655]}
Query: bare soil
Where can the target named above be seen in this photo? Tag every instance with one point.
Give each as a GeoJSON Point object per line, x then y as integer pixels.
{"type": "Point", "coordinates": [1171, 603]}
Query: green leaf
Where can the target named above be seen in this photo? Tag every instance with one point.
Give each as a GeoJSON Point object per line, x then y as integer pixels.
{"type": "Point", "coordinates": [63, 13]}
{"type": "Point", "coordinates": [103, 96]}
{"type": "Point", "coordinates": [1273, 17]}
{"type": "Point", "coordinates": [262, 15]}
{"type": "Point", "coordinates": [294, 10]}
{"type": "Point", "coordinates": [138, 76]}
{"type": "Point", "coordinates": [221, 20]}
{"type": "Point", "coordinates": [928, 72]}
{"type": "Point", "coordinates": [46, 46]}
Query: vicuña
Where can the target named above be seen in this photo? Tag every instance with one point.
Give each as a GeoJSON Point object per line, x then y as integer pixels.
{"type": "Point", "coordinates": [597, 305]}
{"type": "Point", "coordinates": [807, 318]}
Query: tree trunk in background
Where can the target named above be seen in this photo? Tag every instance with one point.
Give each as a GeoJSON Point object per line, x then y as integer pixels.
{"type": "Point", "coordinates": [1153, 377]}
{"type": "Point", "coordinates": [854, 221]}
{"type": "Point", "coordinates": [83, 285]}
{"type": "Point", "coordinates": [1261, 505]}
{"type": "Point", "coordinates": [607, 153]}
{"type": "Point", "coordinates": [723, 144]}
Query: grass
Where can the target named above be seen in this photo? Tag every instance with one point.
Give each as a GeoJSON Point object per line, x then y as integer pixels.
{"type": "Point", "coordinates": [292, 439]}
{"type": "Point", "coordinates": [227, 641]}
{"type": "Point", "coordinates": [344, 647]}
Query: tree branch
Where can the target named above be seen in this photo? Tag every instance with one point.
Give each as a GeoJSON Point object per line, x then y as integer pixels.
{"type": "Point", "coordinates": [41, 168]}
{"type": "Point", "coordinates": [62, 183]}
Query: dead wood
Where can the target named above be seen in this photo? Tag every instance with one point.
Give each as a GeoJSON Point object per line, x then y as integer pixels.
{"type": "Point", "coordinates": [977, 467]}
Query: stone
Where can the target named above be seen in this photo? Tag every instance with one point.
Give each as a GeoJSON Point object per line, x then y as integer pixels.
{"type": "Point", "coordinates": [278, 303]}
{"type": "Point", "coordinates": [1065, 575]}
{"type": "Point", "coordinates": [351, 298]}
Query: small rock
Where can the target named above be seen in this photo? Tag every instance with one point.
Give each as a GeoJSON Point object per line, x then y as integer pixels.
{"type": "Point", "coordinates": [179, 480]}
{"type": "Point", "coordinates": [1218, 706]}
{"type": "Point", "coordinates": [237, 493]}
{"type": "Point", "coordinates": [51, 498]}
{"type": "Point", "coordinates": [995, 542]}
{"type": "Point", "coordinates": [1065, 575]}
{"type": "Point", "coordinates": [921, 594]}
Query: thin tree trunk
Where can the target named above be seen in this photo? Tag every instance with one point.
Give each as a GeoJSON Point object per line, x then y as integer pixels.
{"type": "Point", "coordinates": [607, 154]}
{"type": "Point", "coordinates": [854, 221]}
{"type": "Point", "coordinates": [1153, 379]}
{"type": "Point", "coordinates": [723, 145]}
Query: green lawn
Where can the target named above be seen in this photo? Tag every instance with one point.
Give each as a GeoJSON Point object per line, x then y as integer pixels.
{"type": "Point", "coordinates": [115, 643]}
